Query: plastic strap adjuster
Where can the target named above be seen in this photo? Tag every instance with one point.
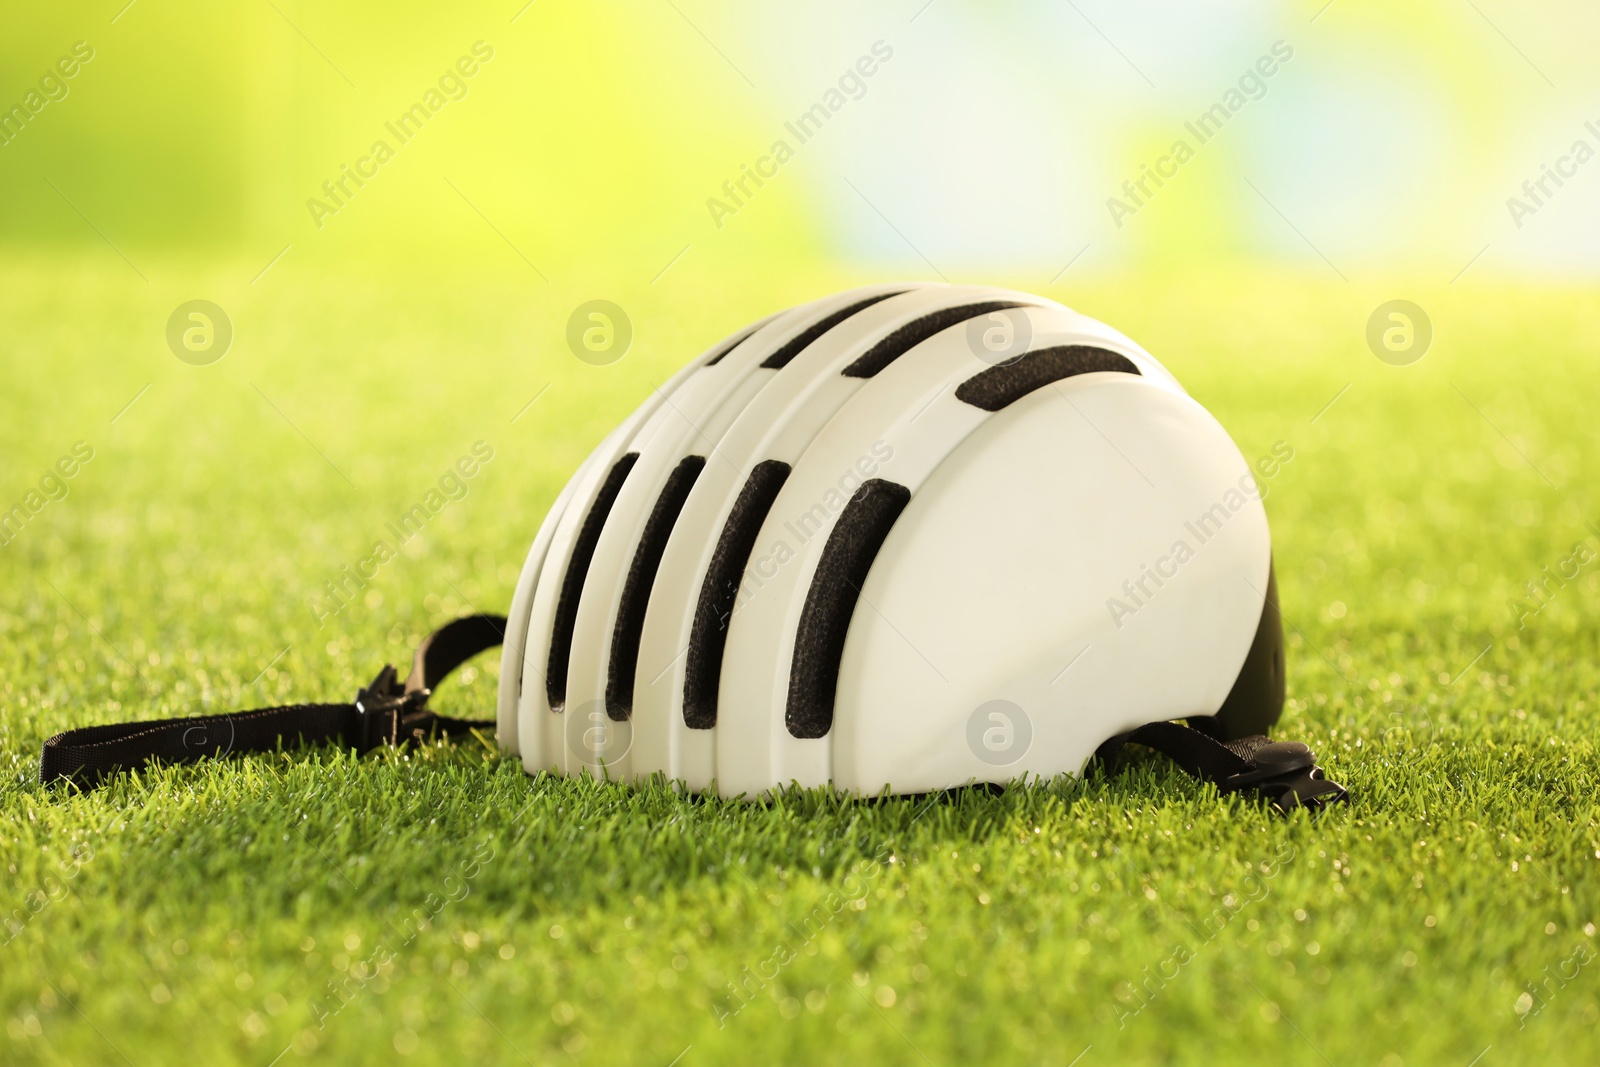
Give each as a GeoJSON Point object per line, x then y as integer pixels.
{"type": "Point", "coordinates": [381, 708]}
{"type": "Point", "coordinates": [1287, 773]}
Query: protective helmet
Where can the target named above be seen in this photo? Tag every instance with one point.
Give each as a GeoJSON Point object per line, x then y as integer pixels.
{"type": "Point", "coordinates": [902, 539]}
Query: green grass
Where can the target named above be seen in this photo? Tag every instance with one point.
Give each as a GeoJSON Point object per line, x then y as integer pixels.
{"type": "Point", "coordinates": [234, 911]}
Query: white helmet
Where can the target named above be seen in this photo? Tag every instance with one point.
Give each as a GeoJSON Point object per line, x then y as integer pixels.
{"type": "Point", "coordinates": [902, 539]}
{"type": "Point", "coordinates": [906, 538]}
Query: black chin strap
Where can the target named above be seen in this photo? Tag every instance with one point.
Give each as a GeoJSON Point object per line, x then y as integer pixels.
{"type": "Point", "coordinates": [391, 712]}
{"type": "Point", "coordinates": [387, 712]}
{"type": "Point", "coordinates": [1284, 772]}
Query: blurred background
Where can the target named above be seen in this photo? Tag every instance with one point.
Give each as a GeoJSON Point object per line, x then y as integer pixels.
{"type": "Point", "coordinates": [398, 208]}
{"type": "Point", "coordinates": [591, 141]}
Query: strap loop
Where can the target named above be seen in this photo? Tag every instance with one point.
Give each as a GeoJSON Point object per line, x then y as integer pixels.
{"type": "Point", "coordinates": [385, 712]}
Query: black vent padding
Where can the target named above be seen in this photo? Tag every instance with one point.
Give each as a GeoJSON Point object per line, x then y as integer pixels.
{"type": "Point", "coordinates": [831, 600]}
{"type": "Point", "coordinates": [734, 343]}
{"type": "Point", "coordinates": [796, 344]}
{"type": "Point", "coordinates": [1007, 383]}
{"type": "Point", "coordinates": [641, 578]}
{"type": "Point", "coordinates": [708, 637]}
{"type": "Point", "coordinates": [555, 674]}
{"type": "Point", "coordinates": [914, 333]}
{"type": "Point", "coordinates": [1256, 700]}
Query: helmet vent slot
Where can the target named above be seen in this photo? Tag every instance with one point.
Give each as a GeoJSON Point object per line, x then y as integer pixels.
{"type": "Point", "coordinates": [583, 546]}
{"type": "Point", "coordinates": [641, 577]}
{"type": "Point", "coordinates": [737, 340]}
{"type": "Point", "coordinates": [797, 344]}
{"type": "Point", "coordinates": [1002, 385]}
{"type": "Point", "coordinates": [709, 636]}
{"type": "Point", "coordinates": [830, 602]}
{"type": "Point", "coordinates": [914, 333]}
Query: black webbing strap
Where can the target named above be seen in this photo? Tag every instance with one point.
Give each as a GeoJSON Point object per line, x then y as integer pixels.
{"type": "Point", "coordinates": [385, 712]}
{"type": "Point", "coordinates": [1285, 772]}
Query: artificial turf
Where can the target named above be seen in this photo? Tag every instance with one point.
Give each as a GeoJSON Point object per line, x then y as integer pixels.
{"type": "Point", "coordinates": [442, 907]}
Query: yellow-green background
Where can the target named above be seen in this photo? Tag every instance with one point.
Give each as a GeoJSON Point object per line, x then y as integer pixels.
{"type": "Point", "coordinates": [990, 141]}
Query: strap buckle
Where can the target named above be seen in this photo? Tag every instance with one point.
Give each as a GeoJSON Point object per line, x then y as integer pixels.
{"type": "Point", "coordinates": [1286, 772]}
{"type": "Point", "coordinates": [383, 706]}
